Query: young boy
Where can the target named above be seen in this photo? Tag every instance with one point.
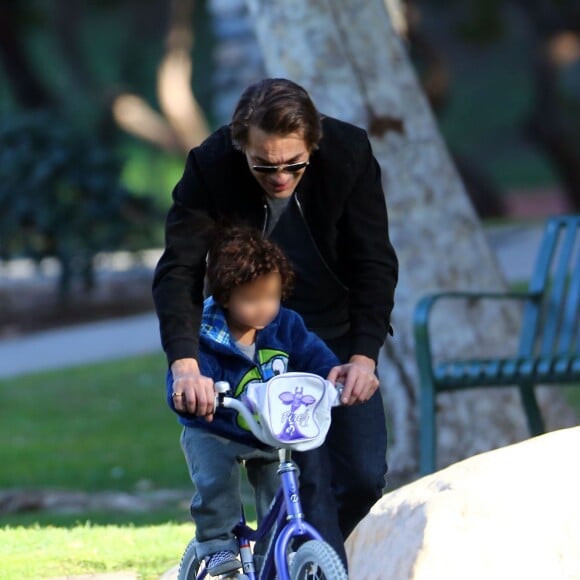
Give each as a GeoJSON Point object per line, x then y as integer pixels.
{"type": "Point", "coordinates": [245, 336]}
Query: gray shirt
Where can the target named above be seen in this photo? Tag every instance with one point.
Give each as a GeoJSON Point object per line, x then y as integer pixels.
{"type": "Point", "coordinates": [248, 349]}
{"type": "Point", "coordinates": [276, 207]}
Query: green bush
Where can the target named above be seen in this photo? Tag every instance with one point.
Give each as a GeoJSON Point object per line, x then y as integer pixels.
{"type": "Point", "coordinates": [61, 196]}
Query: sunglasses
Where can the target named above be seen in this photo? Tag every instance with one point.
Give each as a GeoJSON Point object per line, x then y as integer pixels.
{"type": "Point", "coordinates": [288, 168]}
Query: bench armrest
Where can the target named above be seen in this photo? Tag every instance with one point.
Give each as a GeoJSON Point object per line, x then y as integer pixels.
{"type": "Point", "coordinates": [425, 306]}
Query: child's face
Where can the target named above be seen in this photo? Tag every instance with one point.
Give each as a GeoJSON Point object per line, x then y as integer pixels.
{"type": "Point", "coordinates": [255, 305]}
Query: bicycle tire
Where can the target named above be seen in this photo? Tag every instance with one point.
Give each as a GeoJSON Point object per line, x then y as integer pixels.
{"type": "Point", "coordinates": [189, 565]}
{"type": "Point", "coordinates": [317, 560]}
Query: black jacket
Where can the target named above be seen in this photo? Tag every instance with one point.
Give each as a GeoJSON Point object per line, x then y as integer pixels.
{"type": "Point", "coordinates": [343, 204]}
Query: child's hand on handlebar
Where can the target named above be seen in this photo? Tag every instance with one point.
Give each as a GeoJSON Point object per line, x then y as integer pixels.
{"type": "Point", "coordinates": [192, 392]}
{"type": "Point", "coordinates": [358, 377]}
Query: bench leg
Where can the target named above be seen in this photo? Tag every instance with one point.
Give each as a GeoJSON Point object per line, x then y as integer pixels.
{"type": "Point", "coordinates": [532, 410]}
{"type": "Point", "coordinates": [427, 427]}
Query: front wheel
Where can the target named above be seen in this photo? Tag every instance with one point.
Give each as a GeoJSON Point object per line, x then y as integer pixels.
{"type": "Point", "coordinates": [189, 565]}
{"type": "Point", "coordinates": [316, 560]}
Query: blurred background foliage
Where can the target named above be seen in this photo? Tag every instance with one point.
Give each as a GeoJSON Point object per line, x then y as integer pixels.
{"type": "Point", "coordinates": [61, 196]}
{"type": "Point", "coordinates": [503, 77]}
{"type": "Point", "coordinates": [100, 101]}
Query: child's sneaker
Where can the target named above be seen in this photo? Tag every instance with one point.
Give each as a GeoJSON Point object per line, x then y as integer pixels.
{"type": "Point", "coordinates": [222, 563]}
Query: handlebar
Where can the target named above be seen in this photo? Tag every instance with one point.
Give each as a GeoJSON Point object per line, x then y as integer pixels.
{"type": "Point", "coordinates": [231, 403]}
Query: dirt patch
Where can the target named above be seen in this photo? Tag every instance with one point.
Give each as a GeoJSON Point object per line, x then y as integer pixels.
{"type": "Point", "coordinates": [67, 501]}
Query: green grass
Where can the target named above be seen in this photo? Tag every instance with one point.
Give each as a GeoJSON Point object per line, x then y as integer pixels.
{"type": "Point", "coordinates": [45, 552]}
{"type": "Point", "coordinates": [97, 427]}
{"type": "Point", "coordinates": [92, 428]}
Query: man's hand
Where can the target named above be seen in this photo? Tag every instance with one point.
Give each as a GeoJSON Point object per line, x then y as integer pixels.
{"type": "Point", "coordinates": [358, 378]}
{"type": "Point", "coordinates": [192, 392]}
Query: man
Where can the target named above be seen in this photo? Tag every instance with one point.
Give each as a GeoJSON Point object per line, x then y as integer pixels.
{"type": "Point", "coordinates": [312, 185]}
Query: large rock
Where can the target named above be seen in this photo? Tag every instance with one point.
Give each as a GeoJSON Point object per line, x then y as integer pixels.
{"type": "Point", "coordinates": [506, 514]}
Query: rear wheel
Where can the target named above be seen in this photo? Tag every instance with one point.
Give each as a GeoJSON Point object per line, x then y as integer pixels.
{"type": "Point", "coordinates": [316, 560]}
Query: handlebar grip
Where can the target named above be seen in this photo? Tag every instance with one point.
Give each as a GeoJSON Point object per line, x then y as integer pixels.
{"type": "Point", "coordinates": [221, 387]}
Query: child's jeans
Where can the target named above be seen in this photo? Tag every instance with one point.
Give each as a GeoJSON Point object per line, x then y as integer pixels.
{"type": "Point", "coordinates": [215, 472]}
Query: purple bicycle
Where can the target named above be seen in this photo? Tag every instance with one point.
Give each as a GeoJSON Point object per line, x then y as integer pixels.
{"type": "Point", "coordinates": [289, 412]}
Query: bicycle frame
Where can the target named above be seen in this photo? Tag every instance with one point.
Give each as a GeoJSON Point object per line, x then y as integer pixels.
{"type": "Point", "coordinates": [286, 506]}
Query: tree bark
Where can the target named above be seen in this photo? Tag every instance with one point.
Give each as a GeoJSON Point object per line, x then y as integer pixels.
{"type": "Point", "coordinates": [347, 55]}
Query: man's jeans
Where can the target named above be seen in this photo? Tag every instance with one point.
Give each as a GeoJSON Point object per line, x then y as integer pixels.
{"type": "Point", "coordinates": [340, 481]}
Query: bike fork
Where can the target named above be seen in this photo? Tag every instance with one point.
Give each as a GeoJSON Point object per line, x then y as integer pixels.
{"type": "Point", "coordinates": [296, 524]}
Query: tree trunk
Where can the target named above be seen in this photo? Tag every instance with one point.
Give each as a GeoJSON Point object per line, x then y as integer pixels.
{"type": "Point", "coordinates": [347, 55]}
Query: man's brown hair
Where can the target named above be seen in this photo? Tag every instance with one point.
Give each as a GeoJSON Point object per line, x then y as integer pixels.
{"type": "Point", "coordinates": [276, 106]}
{"type": "Point", "coordinates": [239, 255]}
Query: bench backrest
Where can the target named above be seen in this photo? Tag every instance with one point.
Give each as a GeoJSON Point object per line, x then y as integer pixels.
{"type": "Point", "coordinates": [551, 326]}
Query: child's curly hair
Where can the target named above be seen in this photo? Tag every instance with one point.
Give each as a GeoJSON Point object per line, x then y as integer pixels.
{"type": "Point", "coordinates": [239, 255]}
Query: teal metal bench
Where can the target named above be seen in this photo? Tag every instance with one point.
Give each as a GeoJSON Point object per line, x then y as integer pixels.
{"type": "Point", "coordinates": [549, 344]}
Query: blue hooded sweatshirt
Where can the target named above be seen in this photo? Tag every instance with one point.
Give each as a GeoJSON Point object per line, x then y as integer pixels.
{"type": "Point", "coordinates": [284, 345]}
